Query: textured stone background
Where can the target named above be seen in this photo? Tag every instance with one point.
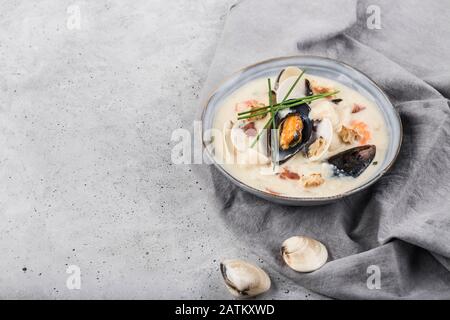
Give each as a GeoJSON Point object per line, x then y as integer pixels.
{"type": "Point", "coordinates": [86, 117]}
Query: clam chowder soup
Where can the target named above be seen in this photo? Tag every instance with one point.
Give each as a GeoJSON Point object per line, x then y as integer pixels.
{"type": "Point", "coordinates": [310, 137]}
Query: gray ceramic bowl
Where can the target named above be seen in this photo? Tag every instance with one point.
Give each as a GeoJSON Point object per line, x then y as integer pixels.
{"type": "Point", "coordinates": [319, 66]}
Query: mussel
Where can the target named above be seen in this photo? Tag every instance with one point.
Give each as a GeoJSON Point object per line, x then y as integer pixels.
{"type": "Point", "coordinates": [294, 127]}
{"type": "Point", "coordinates": [354, 161]}
{"type": "Point", "coordinates": [308, 89]}
{"type": "Point", "coordinates": [294, 130]}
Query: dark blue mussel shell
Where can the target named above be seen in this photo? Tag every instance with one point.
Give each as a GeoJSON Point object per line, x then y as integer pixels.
{"type": "Point", "coordinates": [279, 155]}
{"type": "Point", "coordinates": [354, 161]}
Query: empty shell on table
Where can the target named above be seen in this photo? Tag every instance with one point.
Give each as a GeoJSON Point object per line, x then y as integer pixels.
{"type": "Point", "coordinates": [244, 279]}
{"type": "Point", "coordinates": [304, 254]}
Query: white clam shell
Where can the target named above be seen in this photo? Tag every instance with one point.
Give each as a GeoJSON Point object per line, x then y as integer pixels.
{"type": "Point", "coordinates": [244, 279]}
{"type": "Point", "coordinates": [285, 86]}
{"type": "Point", "coordinates": [324, 130]}
{"type": "Point", "coordinates": [238, 147]}
{"type": "Point", "coordinates": [321, 109]}
{"type": "Point", "coordinates": [239, 139]}
{"type": "Point", "coordinates": [304, 254]}
{"type": "Point", "coordinates": [226, 136]}
{"type": "Point", "coordinates": [287, 73]}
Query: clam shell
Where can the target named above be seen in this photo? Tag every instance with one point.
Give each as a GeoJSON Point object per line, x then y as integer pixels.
{"type": "Point", "coordinates": [325, 130]}
{"type": "Point", "coordinates": [244, 279]}
{"type": "Point", "coordinates": [226, 136]}
{"type": "Point", "coordinates": [287, 73]}
{"type": "Point", "coordinates": [304, 254]}
{"type": "Point", "coordinates": [238, 147]}
{"type": "Point", "coordinates": [239, 139]}
{"type": "Point", "coordinates": [285, 86]}
{"type": "Point", "coordinates": [321, 109]}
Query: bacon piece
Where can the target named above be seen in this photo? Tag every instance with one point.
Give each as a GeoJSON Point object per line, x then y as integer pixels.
{"type": "Point", "coordinates": [250, 129]}
{"type": "Point", "coordinates": [357, 108]}
{"type": "Point", "coordinates": [287, 174]}
{"type": "Point", "coordinates": [319, 90]}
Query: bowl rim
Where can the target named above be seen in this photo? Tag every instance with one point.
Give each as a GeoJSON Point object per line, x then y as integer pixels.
{"type": "Point", "coordinates": [298, 200]}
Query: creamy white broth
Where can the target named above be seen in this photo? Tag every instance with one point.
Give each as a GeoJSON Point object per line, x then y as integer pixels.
{"type": "Point", "coordinates": [261, 176]}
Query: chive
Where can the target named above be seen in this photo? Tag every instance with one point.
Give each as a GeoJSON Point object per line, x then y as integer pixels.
{"type": "Point", "coordinates": [259, 134]}
{"type": "Point", "coordinates": [270, 103]}
{"type": "Point", "coordinates": [274, 105]}
{"type": "Point", "coordinates": [277, 104]}
{"type": "Point", "coordinates": [272, 114]}
{"type": "Point", "coordinates": [290, 105]}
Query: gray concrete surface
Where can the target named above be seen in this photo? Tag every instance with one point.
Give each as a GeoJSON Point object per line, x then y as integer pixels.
{"type": "Point", "coordinates": [86, 116]}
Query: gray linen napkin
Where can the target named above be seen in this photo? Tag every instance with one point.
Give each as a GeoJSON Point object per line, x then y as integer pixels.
{"type": "Point", "coordinates": [401, 225]}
